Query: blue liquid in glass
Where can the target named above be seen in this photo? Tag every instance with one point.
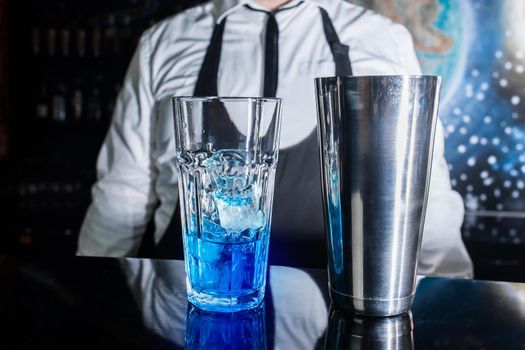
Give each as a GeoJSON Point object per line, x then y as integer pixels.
{"type": "Point", "coordinates": [226, 230]}
{"type": "Point", "coordinates": [226, 276]}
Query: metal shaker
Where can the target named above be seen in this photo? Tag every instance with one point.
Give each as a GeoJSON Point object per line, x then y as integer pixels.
{"type": "Point", "coordinates": [376, 136]}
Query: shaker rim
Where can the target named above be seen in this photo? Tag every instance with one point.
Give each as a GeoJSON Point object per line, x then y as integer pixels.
{"type": "Point", "coordinates": [378, 76]}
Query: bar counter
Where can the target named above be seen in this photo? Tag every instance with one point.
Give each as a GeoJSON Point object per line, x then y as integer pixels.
{"type": "Point", "coordinates": [103, 303]}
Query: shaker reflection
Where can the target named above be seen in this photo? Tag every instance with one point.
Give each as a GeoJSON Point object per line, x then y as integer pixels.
{"type": "Point", "coordinates": [216, 330]}
{"type": "Point", "coordinates": [350, 331]}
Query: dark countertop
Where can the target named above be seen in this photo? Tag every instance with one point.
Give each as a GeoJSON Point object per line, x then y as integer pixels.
{"type": "Point", "coordinates": [103, 303]}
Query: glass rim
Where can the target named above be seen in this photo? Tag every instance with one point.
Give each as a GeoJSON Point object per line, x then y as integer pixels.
{"type": "Point", "coordinates": [226, 99]}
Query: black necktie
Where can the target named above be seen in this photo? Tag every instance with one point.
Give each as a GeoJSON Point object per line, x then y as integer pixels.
{"type": "Point", "coordinates": [271, 57]}
{"type": "Point", "coordinates": [271, 51]}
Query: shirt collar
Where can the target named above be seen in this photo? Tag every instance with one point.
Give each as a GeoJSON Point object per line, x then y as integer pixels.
{"type": "Point", "coordinates": [222, 8]}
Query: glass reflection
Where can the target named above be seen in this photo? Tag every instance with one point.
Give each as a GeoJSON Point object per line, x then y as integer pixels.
{"type": "Point", "coordinates": [349, 331]}
{"type": "Point", "coordinates": [215, 330]}
{"type": "Point", "coordinates": [293, 316]}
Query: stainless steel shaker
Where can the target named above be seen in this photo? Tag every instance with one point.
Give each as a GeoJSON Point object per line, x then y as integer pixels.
{"type": "Point", "coordinates": [376, 136]}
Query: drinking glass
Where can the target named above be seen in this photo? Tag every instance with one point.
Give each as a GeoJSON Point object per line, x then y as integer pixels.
{"type": "Point", "coordinates": [227, 149]}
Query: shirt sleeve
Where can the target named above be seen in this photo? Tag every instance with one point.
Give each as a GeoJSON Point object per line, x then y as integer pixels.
{"type": "Point", "coordinates": [123, 198]}
{"type": "Point", "coordinates": [442, 251]}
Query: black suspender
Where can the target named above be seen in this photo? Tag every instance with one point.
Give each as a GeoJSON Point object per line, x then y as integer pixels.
{"type": "Point", "coordinates": [207, 81]}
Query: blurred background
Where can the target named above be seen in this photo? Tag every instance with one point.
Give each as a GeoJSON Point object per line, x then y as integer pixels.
{"type": "Point", "coordinates": [62, 63]}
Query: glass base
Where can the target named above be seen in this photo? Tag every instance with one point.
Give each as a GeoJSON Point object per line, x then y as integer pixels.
{"type": "Point", "coordinates": [225, 303]}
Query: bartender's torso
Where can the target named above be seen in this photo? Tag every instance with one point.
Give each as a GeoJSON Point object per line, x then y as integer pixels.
{"type": "Point", "coordinates": [177, 49]}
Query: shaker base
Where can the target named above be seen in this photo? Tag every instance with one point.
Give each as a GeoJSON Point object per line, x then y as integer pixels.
{"type": "Point", "coordinates": [372, 307]}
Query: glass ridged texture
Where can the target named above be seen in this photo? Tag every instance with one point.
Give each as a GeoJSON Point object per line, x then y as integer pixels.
{"type": "Point", "coordinates": [227, 152]}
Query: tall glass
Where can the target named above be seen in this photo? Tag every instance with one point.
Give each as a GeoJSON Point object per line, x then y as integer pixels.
{"type": "Point", "coordinates": [227, 152]}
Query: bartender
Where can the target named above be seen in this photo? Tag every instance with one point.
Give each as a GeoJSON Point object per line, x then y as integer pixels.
{"type": "Point", "coordinates": [253, 48]}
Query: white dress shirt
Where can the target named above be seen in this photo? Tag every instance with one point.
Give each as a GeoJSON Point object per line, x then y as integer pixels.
{"type": "Point", "coordinates": [137, 177]}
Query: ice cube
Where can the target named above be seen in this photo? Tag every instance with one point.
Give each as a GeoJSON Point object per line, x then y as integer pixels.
{"type": "Point", "coordinates": [229, 172]}
{"type": "Point", "coordinates": [236, 218]}
{"type": "Point", "coordinates": [231, 185]}
{"type": "Point", "coordinates": [213, 231]}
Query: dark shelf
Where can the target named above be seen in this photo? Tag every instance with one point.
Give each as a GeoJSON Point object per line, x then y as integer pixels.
{"type": "Point", "coordinates": [60, 110]}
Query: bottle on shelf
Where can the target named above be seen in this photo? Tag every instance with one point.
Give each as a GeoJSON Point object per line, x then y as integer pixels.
{"type": "Point", "coordinates": [80, 39]}
{"type": "Point", "coordinates": [65, 41]}
{"type": "Point", "coordinates": [36, 39]}
{"type": "Point", "coordinates": [25, 238]}
{"type": "Point", "coordinates": [42, 101]}
{"type": "Point", "coordinates": [51, 41]}
{"type": "Point", "coordinates": [59, 108]}
{"type": "Point", "coordinates": [96, 40]}
{"type": "Point", "coordinates": [62, 23]}
{"type": "Point", "coordinates": [77, 101]}
{"type": "Point", "coordinates": [111, 38]}
{"type": "Point", "coordinates": [94, 105]}
{"type": "Point", "coordinates": [127, 36]}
